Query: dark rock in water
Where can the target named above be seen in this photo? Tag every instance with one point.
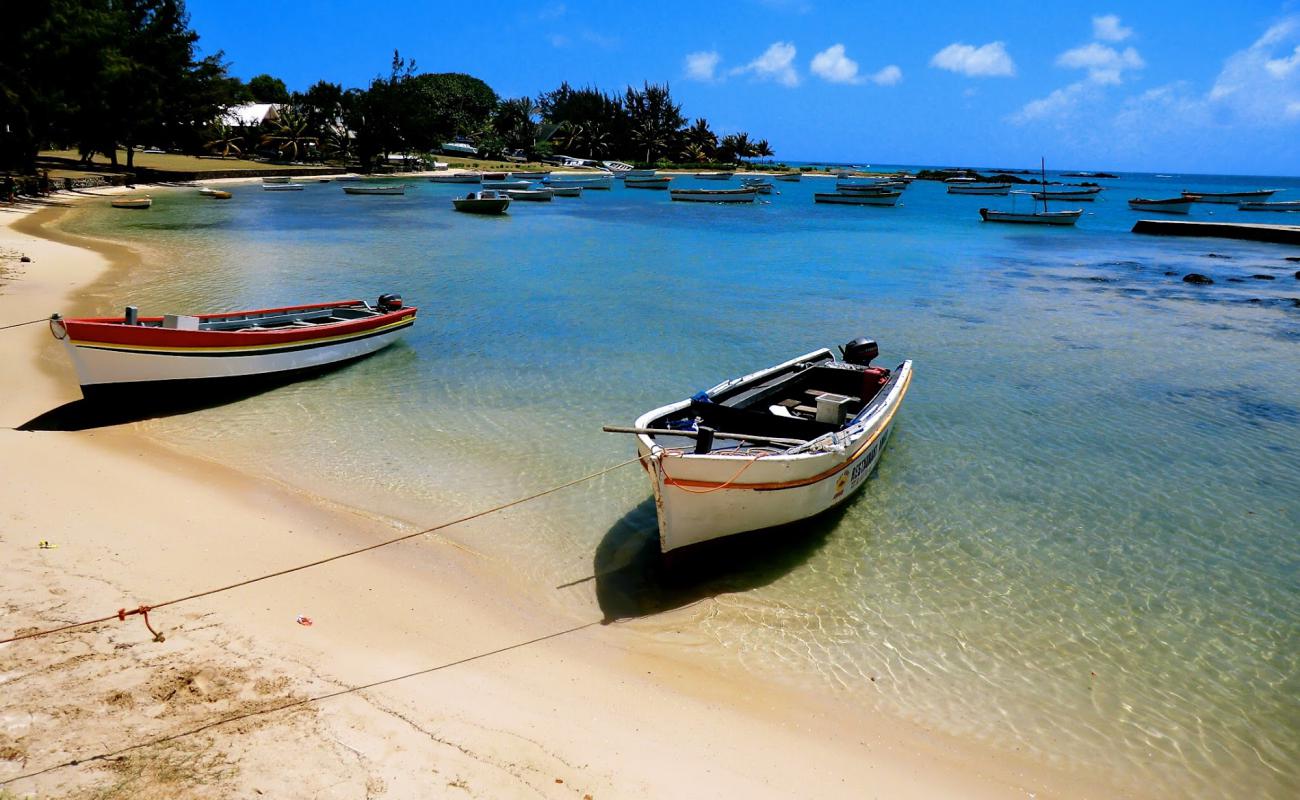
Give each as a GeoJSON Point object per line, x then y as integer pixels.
{"type": "Point", "coordinates": [28, 259]}
{"type": "Point", "coordinates": [1216, 255]}
{"type": "Point", "coordinates": [1293, 258]}
{"type": "Point", "coordinates": [1254, 300]}
{"type": "Point", "coordinates": [1297, 274]}
{"type": "Point", "coordinates": [1197, 278]}
{"type": "Point", "coordinates": [1295, 302]}
{"type": "Point", "coordinates": [1170, 273]}
{"type": "Point", "coordinates": [1262, 277]}
{"type": "Point", "coordinates": [1236, 280]}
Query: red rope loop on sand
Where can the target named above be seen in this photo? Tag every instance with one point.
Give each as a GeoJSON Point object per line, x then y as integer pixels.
{"type": "Point", "coordinates": [143, 611]}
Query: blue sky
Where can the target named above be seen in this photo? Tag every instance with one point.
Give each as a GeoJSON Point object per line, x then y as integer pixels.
{"type": "Point", "coordinates": [1190, 86]}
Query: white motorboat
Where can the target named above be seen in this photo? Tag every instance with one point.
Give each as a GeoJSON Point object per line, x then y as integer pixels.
{"type": "Point", "coordinates": [979, 188]}
{"type": "Point", "coordinates": [531, 195]}
{"type": "Point", "coordinates": [283, 187]}
{"type": "Point", "coordinates": [506, 184]}
{"type": "Point", "coordinates": [1078, 194]}
{"type": "Point", "coordinates": [1032, 217]}
{"type": "Point", "coordinates": [773, 447]}
{"type": "Point", "coordinates": [600, 182]}
{"type": "Point", "coordinates": [485, 202]}
{"type": "Point", "coordinates": [713, 195]}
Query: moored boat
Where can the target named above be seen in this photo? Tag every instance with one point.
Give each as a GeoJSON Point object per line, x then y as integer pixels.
{"type": "Point", "coordinates": [714, 176]}
{"type": "Point", "coordinates": [485, 202]}
{"type": "Point", "coordinates": [273, 179]}
{"type": "Point", "coordinates": [566, 191]}
{"type": "Point", "coordinates": [635, 173]}
{"type": "Point", "coordinates": [1279, 205]}
{"type": "Point", "coordinates": [134, 352]}
{"type": "Point", "coordinates": [460, 177]}
{"type": "Point", "coordinates": [506, 184]}
{"type": "Point", "coordinates": [283, 187]}
{"type": "Point", "coordinates": [389, 190]}
{"type": "Point", "coordinates": [570, 180]}
{"type": "Point", "coordinates": [1168, 205]}
{"type": "Point", "coordinates": [773, 447]}
{"type": "Point", "coordinates": [218, 194]}
{"type": "Point", "coordinates": [1076, 194]}
{"type": "Point", "coordinates": [531, 195]}
{"type": "Point", "coordinates": [530, 176]}
{"type": "Point", "coordinates": [979, 188]}
{"type": "Point", "coordinates": [1032, 217]}
{"type": "Point", "coordinates": [760, 185]}
{"type": "Point", "coordinates": [880, 198]}
{"type": "Point", "coordinates": [792, 177]}
{"type": "Point", "coordinates": [648, 183]}
{"type": "Point", "coordinates": [1231, 198]}
{"type": "Point", "coordinates": [713, 195]}
{"type": "Point", "coordinates": [135, 202]}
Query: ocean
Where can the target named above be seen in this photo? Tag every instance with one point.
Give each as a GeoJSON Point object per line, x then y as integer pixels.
{"type": "Point", "coordinates": [1080, 545]}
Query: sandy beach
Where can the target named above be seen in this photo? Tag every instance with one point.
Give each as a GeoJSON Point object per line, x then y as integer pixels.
{"type": "Point", "coordinates": [493, 707]}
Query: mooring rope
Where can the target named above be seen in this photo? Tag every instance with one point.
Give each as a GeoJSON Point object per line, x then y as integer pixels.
{"type": "Point", "coordinates": [20, 324]}
{"type": "Point", "coordinates": [143, 610]}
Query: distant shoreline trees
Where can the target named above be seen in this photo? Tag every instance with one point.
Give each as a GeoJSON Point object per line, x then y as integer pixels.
{"type": "Point", "coordinates": [99, 75]}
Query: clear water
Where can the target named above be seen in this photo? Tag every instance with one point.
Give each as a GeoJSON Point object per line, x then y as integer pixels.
{"type": "Point", "coordinates": [1081, 544]}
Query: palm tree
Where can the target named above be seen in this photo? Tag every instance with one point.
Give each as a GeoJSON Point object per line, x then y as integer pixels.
{"type": "Point", "coordinates": [336, 143]}
{"type": "Point", "coordinates": [290, 135]}
{"type": "Point", "coordinates": [651, 137]}
{"type": "Point", "coordinates": [701, 138]}
{"type": "Point", "coordinates": [763, 150]}
{"type": "Point", "coordinates": [222, 139]}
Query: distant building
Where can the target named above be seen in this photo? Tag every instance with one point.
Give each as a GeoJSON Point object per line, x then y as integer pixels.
{"type": "Point", "coordinates": [251, 115]}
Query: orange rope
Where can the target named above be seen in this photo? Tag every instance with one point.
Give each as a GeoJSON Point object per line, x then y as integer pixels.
{"type": "Point", "coordinates": [711, 489]}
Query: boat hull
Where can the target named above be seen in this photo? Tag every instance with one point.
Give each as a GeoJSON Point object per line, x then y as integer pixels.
{"type": "Point", "coordinates": [792, 177]}
{"type": "Point", "coordinates": [1001, 189]}
{"type": "Point", "coordinates": [858, 198]}
{"type": "Point", "coordinates": [705, 196]}
{"type": "Point", "coordinates": [1039, 218]}
{"type": "Point", "coordinates": [114, 366]}
{"type": "Point", "coordinates": [456, 179]}
{"type": "Point", "coordinates": [647, 183]}
{"type": "Point", "coordinates": [566, 191]}
{"type": "Point", "coordinates": [1162, 207]}
{"type": "Point", "coordinates": [1074, 197]}
{"type": "Point", "coordinates": [714, 176]}
{"type": "Point", "coordinates": [702, 497]}
{"type": "Point", "coordinates": [531, 195]}
{"type": "Point", "coordinates": [1229, 198]}
{"type": "Point", "coordinates": [383, 190]}
{"type": "Point", "coordinates": [582, 183]}
{"type": "Point", "coordinates": [1285, 205]}
{"type": "Point", "coordinates": [487, 206]}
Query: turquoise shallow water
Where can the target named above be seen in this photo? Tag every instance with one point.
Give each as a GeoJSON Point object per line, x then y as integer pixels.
{"type": "Point", "coordinates": [1081, 543]}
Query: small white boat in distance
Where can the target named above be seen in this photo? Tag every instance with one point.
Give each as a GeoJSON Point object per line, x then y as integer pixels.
{"type": "Point", "coordinates": [506, 184]}
{"type": "Point", "coordinates": [600, 182]}
{"type": "Point", "coordinates": [460, 177]}
{"type": "Point", "coordinates": [792, 177]}
{"type": "Point", "coordinates": [531, 195]}
{"type": "Point", "coordinates": [276, 179]}
{"type": "Point", "coordinates": [1077, 194]}
{"type": "Point", "coordinates": [760, 185]}
{"type": "Point", "coordinates": [714, 176]}
{"type": "Point", "coordinates": [1032, 217]}
{"type": "Point", "coordinates": [636, 173]}
{"type": "Point", "coordinates": [979, 188]}
{"type": "Point", "coordinates": [883, 198]}
{"type": "Point", "coordinates": [283, 187]}
{"type": "Point", "coordinates": [773, 447]}
{"type": "Point", "coordinates": [1231, 198]}
{"type": "Point", "coordinates": [713, 195]}
{"type": "Point", "coordinates": [375, 189]}
{"type": "Point", "coordinates": [1169, 205]}
{"type": "Point", "coordinates": [485, 202]}
{"type": "Point", "coordinates": [1281, 205]}
{"type": "Point", "coordinates": [136, 202]}
{"type": "Point", "coordinates": [648, 183]}
{"type": "Point", "coordinates": [566, 191]}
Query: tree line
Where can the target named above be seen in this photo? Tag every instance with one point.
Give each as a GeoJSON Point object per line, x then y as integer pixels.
{"type": "Point", "coordinates": [99, 75]}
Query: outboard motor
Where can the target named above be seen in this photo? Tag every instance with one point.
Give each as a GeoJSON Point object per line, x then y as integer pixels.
{"type": "Point", "coordinates": [860, 351]}
{"type": "Point", "coordinates": [389, 302]}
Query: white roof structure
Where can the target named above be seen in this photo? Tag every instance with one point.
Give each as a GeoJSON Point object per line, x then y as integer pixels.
{"type": "Point", "coordinates": [250, 115]}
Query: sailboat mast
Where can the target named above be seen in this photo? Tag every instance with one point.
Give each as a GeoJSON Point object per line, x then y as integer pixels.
{"type": "Point", "coordinates": [1042, 165]}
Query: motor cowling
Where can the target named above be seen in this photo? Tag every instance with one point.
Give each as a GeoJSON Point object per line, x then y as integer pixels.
{"type": "Point", "coordinates": [860, 351]}
{"type": "Point", "coordinates": [389, 302]}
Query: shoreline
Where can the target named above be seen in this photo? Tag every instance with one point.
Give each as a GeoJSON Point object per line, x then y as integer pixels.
{"type": "Point", "coordinates": [606, 731]}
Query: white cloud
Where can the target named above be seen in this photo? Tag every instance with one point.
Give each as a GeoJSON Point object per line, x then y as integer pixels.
{"type": "Point", "coordinates": [702, 66]}
{"type": "Point", "coordinates": [887, 76]}
{"type": "Point", "coordinates": [1057, 105]}
{"type": "Point", "coordinates": [831, 64]}
{"type": "Point", "coordinates": [559, 40]}
{"type": "Point", "coordinates": [1107, 29]}
{"type": "Point", "coordinates": [776, 64]}
{"type": "Point", "coordinates": [1104, 64]}
{"type": "Point", "coordinates": [990, 60]}
{"type": "Point", "coordinates": [1256, 85]}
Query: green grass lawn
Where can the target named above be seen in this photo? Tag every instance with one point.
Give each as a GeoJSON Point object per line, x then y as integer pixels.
{"type": "Point", "coordinates": [169, 161]}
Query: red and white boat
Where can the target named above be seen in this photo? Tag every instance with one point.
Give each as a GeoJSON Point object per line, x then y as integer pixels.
{"type": "Point", "coordinates": [134, 352]}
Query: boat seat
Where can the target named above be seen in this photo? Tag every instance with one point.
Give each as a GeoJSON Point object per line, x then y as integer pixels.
{"type": "Point", "coordinates": [815, 393]}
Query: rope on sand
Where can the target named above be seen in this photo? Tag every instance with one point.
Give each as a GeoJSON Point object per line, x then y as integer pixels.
{"type": "Point", "coordinates": [143, 610]}
{"type": "Point", "coordinates": [20, 324]}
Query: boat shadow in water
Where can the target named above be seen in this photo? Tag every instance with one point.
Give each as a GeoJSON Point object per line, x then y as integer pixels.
{"type": "Point", "coordinates": [105, 410]}
{"type": "Point", "coordinates": [633, 579]}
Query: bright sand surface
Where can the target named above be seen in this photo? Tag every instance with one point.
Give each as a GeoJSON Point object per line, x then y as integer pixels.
{"type": "Point", "coordinates": [598, 711]}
